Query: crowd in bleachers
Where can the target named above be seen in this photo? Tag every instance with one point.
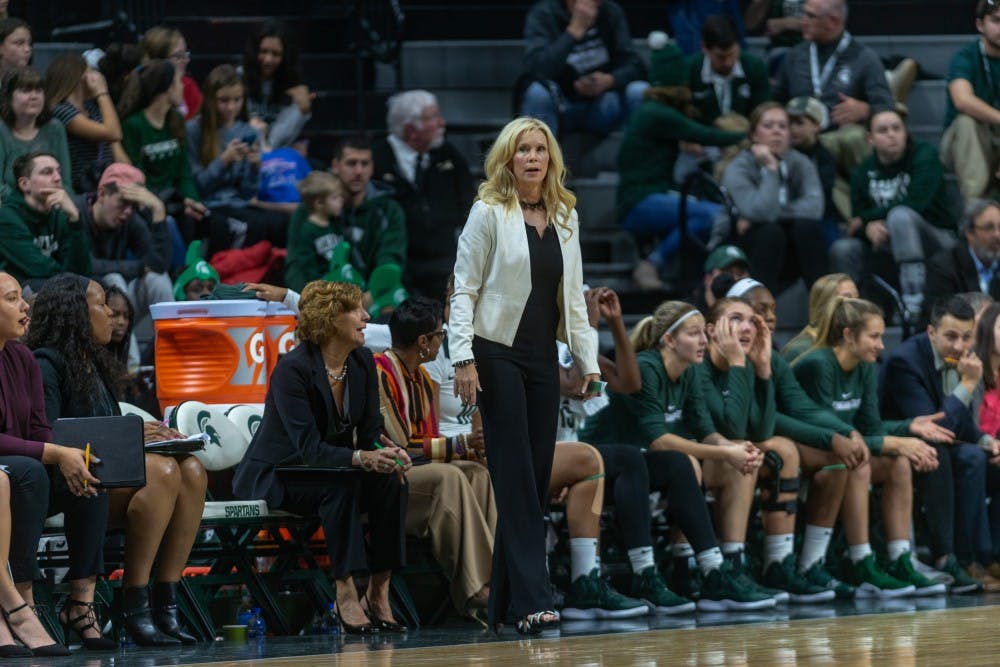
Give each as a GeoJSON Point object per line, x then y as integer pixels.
{"type": "Point", "coordinates": [125, 183]}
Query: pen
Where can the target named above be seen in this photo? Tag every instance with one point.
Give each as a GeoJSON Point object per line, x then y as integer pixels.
{"type": "Point", "coordinates": [86, 462]}
{"type": "Point", "coordinates": [398, 462]}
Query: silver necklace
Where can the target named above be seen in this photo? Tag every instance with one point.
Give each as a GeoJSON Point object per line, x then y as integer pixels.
{"type": "Point", "coordinates": [333, 376]}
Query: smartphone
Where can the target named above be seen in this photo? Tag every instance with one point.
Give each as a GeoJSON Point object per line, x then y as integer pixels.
{"type": "Point", "coordinates": [596, 387]}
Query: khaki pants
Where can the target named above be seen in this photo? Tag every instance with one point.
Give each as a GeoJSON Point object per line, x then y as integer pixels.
{"type": "Point", "coordinates": [452, 503]}
{"type": "Point", "coordinates": [849, 146]}
{"type": "Point", "coordinates": [970, 148]}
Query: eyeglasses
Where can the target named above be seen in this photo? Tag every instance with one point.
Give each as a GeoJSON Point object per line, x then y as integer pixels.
{"type": "Point", "coordinates": [181, 57]}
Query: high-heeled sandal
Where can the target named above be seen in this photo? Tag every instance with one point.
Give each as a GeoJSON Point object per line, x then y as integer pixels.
{"type": "Point", "coordinates": [535, 623]}
{"type": "Point", "coordinates": [348, 629]}
{"type": "Point", "coordinates": [80, 624]}
{"type": "Point", "coordinates": [380, 623]}
{"type": "Point", "coordinates": [48, 651]}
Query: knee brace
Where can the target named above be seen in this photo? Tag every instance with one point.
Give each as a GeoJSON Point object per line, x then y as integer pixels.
{"type": "Point", "coordinates": [776, 485]}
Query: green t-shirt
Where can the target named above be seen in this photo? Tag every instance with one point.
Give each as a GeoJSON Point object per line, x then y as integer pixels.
{"type": "Point", "coordinates": [982, 72]}
{"type": "Point", "coordinates": [661, 406]}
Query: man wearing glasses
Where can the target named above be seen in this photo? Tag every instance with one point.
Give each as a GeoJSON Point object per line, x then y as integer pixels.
{"type": "Point", "coordinates": [971, 142]}
{"type": "Point", "coordinates": [970, 266]}
{"type": "Point", "coordinates": [847, 77]}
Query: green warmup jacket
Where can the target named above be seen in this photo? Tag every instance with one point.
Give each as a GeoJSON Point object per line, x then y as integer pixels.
{"type": "Point", "coordinates": [741, 404]}
{"type": "Point", "coordinates": [661, 406]}
{"type": "Point", "coordinates": [852, 396]}
{"type": "Point", "coordinates": [40, 245]}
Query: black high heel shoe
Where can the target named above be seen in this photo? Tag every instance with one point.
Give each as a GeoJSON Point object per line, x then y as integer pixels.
{"type": "Point", "coordinates": [165, 612]}
{"type": "Point", "coordinates": [137, 618]}
{"type": "Point", "coordinates": [534, 624]}
{"type": "Point", "coordinates": [47, 651]}
{"type": "Point", "coordinates": [80, 624]}
{"type": "Point", "coordinates": [380, 623]}
{"type": "Point", "coordinates": [348, 629]}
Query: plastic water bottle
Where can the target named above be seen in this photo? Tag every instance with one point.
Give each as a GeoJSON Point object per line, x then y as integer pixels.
{"type": "Point", "coordinates": [329, 624]}
{"type": "Point", "coordinates": [258, 627]}
{"type": "Point", "coordinates": [244, 612]}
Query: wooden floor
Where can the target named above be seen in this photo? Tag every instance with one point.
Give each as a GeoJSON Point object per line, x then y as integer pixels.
{"type": "Point", "coordinates": [958, 637]}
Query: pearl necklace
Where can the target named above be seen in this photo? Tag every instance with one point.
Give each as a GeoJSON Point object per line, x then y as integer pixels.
{"type": "Point", "coordinates": [333, 376]}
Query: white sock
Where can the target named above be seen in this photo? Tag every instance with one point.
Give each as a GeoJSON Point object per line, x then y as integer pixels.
{"type": "Point", "coordinates": [858, 552]}
{"type": "Point", "coordinates": [710, 559]}
{"type": "Point", "coordinates": [814, 546]}
{"type": "Point", "coordinates": [641, 558]}
{"type": "Point", "coordinates": [681, 550]}
{"type": "Point", "coordinates": [730, 548]}
{"type": "Point", "coordinates": [897, 548]}
{"type": "Point", "coordinates": [777, 547]}
{"type": "Point", "coordinates": [583, 556]}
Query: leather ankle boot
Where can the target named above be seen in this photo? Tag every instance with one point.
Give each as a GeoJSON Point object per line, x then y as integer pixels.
{"type": "Point", "coordinates": [165, 612]}
{"type": "Point", "coordinates": [138, 619]}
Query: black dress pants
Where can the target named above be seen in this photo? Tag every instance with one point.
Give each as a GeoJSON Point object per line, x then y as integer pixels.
{"type": "Point", "coordinates": [519, 404]}
{"type": "Point", "coordinates": [340, 502]}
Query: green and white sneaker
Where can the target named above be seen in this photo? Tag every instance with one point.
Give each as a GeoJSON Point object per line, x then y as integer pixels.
{"type": "Point", "coordinates": [902, 569]}
{"type": "Point", "coordinates": [590, 597]}
{"type": "Point", "coordinates": [961, 581]}
{"type": "Point", "coordinates": [741, 567]}
{"type": "Point", "coordinates": [818, 575]}
{"type": "Point", "coordinates": [725, 590]}
{"type": "Point", "coordinates": [871, 582]}
{"type": "Point", "coordinates": [649, 587]}
{"type": "Point", "coordinates": [784, 576]}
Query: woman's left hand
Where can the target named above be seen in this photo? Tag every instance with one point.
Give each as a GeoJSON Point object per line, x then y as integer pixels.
{"type": "Point", "coordinates": [587, 379]}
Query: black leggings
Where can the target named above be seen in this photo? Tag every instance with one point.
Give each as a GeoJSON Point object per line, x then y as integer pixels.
{"type": "Point", "coordinates": [519, 403]}
{"type": "Point", "coordinates": [630, 474]}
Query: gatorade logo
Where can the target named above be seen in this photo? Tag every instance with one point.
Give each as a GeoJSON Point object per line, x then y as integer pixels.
{"type": "Point", "coordinates": [250, 342]}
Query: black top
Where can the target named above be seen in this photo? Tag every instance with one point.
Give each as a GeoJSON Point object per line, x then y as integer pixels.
{"type": "Point", "coordinates": [541, 312]}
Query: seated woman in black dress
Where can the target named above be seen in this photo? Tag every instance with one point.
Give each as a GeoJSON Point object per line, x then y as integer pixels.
{"type": "Point", "coordinates": [322, 410]}
{"type": "Point", "coordinates": [70, 331]}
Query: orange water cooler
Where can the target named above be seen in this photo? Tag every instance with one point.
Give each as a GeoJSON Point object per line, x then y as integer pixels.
{"type": "Point", "coordinates": [218, 352]}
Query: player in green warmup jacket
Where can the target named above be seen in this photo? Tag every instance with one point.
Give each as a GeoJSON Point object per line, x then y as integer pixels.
{"type": "Point", "coordinates": [839, 374]}
{"type": "Point", "coordinates": [669, 345]}
{"type": "Point", "coordinates": [738, 388]}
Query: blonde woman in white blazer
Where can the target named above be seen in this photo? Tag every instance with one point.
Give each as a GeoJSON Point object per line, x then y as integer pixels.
{"type": "Point", "coordinates": [519, 288]}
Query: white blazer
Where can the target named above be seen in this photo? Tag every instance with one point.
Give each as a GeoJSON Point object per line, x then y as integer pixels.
{"type": "Point", "coordinates": [493, 281]}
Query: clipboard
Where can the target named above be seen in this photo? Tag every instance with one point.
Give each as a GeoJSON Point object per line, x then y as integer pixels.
{"type": "Point", "coordinates": [117, 441]}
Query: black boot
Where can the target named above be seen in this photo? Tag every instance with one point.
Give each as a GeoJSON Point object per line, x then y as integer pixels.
{"type": "Point", "coordinates": [165, 612]}
{"type": "Point", "coordinates": [138, 619]}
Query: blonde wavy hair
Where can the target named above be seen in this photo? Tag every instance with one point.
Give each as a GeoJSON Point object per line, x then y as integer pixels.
{"type": "Point", "coordinates": [322, 302]}
{"type": "Point", "coordinates": [499, 186]}
{"type": "Point", "coordinates": [648, 333]}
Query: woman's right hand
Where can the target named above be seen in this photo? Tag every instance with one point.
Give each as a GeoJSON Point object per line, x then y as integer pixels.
{"type": "Point", "coordinates": [72, 465]}
{"type": "Point", "coordinates": [729, 343]}
{"type": "Point", "coordinates": [467, 383]}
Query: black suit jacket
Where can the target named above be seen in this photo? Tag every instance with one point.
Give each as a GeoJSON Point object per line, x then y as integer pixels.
{"type": "Point", "coordinates": [297, 414]}
{"type": "Point", "coordinates": [911, 387]}
{"type": "Point", "coordinates": [952, 271]}
{"type": "Point", "coordinates": [434, 214]}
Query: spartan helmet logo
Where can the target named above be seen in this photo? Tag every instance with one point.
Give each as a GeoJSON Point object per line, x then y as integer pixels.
{"type": "Point", "coordinates": [206, 427]}
{"type": "Point", "coordinates": [253, 424]}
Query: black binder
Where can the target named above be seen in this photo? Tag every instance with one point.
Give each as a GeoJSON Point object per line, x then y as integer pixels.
{"type": "Point", "coordinates": [117, 441]}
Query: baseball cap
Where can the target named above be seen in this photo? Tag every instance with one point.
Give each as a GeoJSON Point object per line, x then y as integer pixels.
{"type": "Point", "coordinates": [725, 256]}
{"type": "Point", "coordinates": [121, 174]}
{"type": "Point", "coordinates": [806, 106]}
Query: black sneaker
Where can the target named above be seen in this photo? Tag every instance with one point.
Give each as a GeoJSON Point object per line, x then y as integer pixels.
{"type": "Point", "coordinates": [590, 597]}
{"type": "Point", "coordinates": [784, 576]}
{"type": "Point", "coordinates": [648, 586]}
{"type": "Point", "coordinates": [724, 590]}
